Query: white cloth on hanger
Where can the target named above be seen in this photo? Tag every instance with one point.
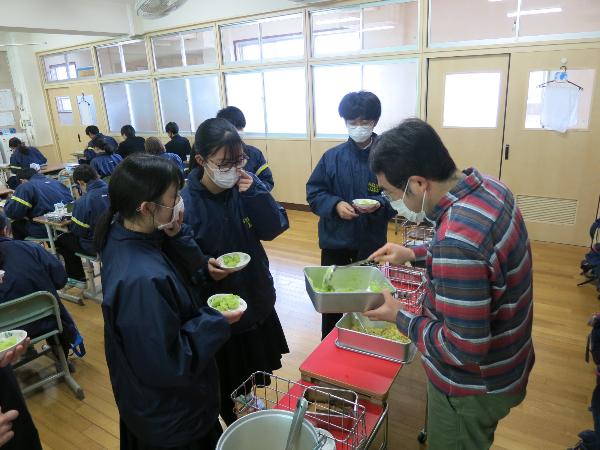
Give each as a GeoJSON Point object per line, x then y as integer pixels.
{"type": "Point", "coordinates": [559, 106]}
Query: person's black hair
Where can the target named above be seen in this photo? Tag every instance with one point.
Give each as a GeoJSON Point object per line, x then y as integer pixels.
{"type": "Point", "coordinates": [234, 115]}
{"type": "Point", "coordinates": [360, 105]}
{"type": "Point", "coordinates": [139, 178]}
{"type": "Point", "coordinates": [213, 134]}
{"type": "Point", "coordinates": [92, 130]}
{"type": "Point", "coordinates": [25, 173]}
{"type": "Point", "coordinates": [127, 131]}
{"type": "Point", "coordinates": [410, 149]}
{"type": "Point", "coordinates": [85, 173]}
{"type": "Point", "coordinates": [102, 145]}
{"type": "Point", "coordinates": [4, 223]}
{"type": "Point", "coordinates": [172, 127]}
{"type": "Point", "coordinates": [18, 145]}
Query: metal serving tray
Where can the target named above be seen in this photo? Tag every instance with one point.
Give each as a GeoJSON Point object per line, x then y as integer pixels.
{"type": "Point", "coordinates": [358, 278]}
{"type": "Point", "coordinates": [331, 406]}
{"type": "Point", "coordinates": [368, 344]}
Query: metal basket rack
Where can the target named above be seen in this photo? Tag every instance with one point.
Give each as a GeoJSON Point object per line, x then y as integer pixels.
{"type": "Point", "coordinates": [410, 284]}
{"type": "Point", "coordinates": [342, 418]}
{"type": "Point", "coordinates": [416, 234]}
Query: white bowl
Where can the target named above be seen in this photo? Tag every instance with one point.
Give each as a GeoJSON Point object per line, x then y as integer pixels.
{"type": "Point", "coordinates": [19, 334]}
{"type": "Point", "coordinates": [243, 305]}
{"type": "Point", "coordinates": [365, 204]}
{"type": "Point", "coordinates": [244, 261]}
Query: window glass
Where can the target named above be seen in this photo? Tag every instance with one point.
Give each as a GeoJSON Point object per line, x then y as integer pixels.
{"type": "Point", "coordinates": [285, 101]}
{"type": "Point", "coordinates": [471, 100]}
{"type": "Point", "coordinates": [64, 110]}
{"type": "Point", "coordinates": [69, 66]}
{"type": "Point", "coordinates": [124, 57]}
{"type": "Point", "coordinates": [167, 51]}
{"type": "Point", "coordinates": [130, 103]}
{"type": "Point", "coordinates": [245, 90]}
{"type": "Point", "coordinates": [550, 17]}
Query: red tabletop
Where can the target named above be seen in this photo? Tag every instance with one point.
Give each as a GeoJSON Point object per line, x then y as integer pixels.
{"type": "Point", "coordinates": [373, 414]}
{"type": "Point", "coordinates": [366, 375]}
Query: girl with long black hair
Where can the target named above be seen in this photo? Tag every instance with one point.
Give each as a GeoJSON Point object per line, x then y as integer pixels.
{"type": "Point", "coordinates": [160, 341]}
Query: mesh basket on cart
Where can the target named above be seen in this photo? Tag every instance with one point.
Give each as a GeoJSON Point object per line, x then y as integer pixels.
{"type": "Point", "coordinates": [410, 284]}
{"type": "Point", "coordinates": [337, 411]}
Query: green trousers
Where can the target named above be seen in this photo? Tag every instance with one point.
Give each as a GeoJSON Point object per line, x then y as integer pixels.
{"type": "Point", "coordinates": [465, 423]}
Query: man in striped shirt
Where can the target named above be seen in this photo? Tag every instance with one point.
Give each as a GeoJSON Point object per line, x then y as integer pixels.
{"type": "Point", "coordinates": [475, 330]}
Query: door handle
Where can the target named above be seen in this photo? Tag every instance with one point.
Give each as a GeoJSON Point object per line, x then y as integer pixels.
{"type": "Point", "coordinates": [506, 151]}
{"type": "Point", "coordinates": [79, 137]}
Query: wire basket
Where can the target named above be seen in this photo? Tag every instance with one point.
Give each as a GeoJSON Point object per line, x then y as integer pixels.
{"type": "Point", "coordinates": [410, 284]}
{"type": "Point", "coordinates": [334, 410]}
{"type": "Point", "coordinates": [416, 234]}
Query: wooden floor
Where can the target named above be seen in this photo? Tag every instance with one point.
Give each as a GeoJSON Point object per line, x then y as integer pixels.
{"type": "Point", "coordinates": [554, 411]}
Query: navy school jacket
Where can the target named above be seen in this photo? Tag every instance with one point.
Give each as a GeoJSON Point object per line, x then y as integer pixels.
{"type": "Point", "coordinates": [236, 222]}
{"type": "Point", "coordinates": [105, 164]}
{"type": "Point", "coordinates": [19, 160]}
{"type": "Point", "coordinates": [30, 268]}
{"type": "Point", "coordinates": [180, 146]}
{"type": "Point", "coordinates": [175, 158]}
{"type": "Point", "coordinates": [160, 343]}
{"type": "Point", "coordinates": [257, 164]}
{"type": "Point", "coordinates": [35, 198]}
{"type": "Point", "coordinates": [343, 174]}
{"type": "Point", "coordinates": [89, 153]}
{"type": "Point", "coordinates": [86, 212]}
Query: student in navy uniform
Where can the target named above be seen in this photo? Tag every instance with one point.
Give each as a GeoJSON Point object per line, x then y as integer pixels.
{"type": "Point", "coordinates": [230, 210]}
{"type": "Point", "coordinates": [160, 340]}
{"type": "Point", "coordinates": [131, 143]}
{"type": "Point", "coordinates": [93, 132]}
{"type": "Point", "coordinates": [21, 158]}
{"type": "Point", "coordinates": [35, 196]}
{"type": "Point", "coordinates": [178, 144]}
{"type": "Point", "coordinates": [30, 268]}
{"type": "Point", "coordinates": [154, 146]}
{"type": "Point", "coordinates": [105, 161]}
{"type": "Point", "coordinates": [86, 212]}
{"type": "Point", "coordinates": [342, 175]}
{"type": "Point", "coordinates": [257, 164]}
{"type": "Point", "coordinates": [17, 430]}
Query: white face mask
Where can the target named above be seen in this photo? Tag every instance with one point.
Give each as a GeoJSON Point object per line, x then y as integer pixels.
{"type": "Point", "coordinates": [179, 207]}
{"type": "Point", "coordinates": [225, 180]}
{"type": "Point", "coordinates": [405, 211]}
{"type": "Point", "coordinates": [360, 133]}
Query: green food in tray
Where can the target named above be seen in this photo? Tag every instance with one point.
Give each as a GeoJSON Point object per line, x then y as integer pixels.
{"type": "Point", "coordinates": [231, 260]}
{"type": "Point", "coordinates": [227, 302]}
{"type": "Point", "coordinates": [388, 332]}
{"type": "Point", "coordinates": [374, 286]}
{"type": "Point", "coordinates": [7, 343]}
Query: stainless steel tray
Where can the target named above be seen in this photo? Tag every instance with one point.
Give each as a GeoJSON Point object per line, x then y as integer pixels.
{"type": "Point", "coordinates": [368, 344]}
{"type": "Point", "coordinates": [335, 407]}
{"type": "Point", "coordinates": [358, 278]}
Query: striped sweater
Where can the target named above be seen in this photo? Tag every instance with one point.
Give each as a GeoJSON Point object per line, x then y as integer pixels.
{"type": "Point", "coordinates": [475, 331]}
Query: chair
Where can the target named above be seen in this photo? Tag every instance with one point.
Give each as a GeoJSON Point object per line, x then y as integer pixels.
{"type": "Point", "coordinates": [25, 310]}
{"type": "Point", "coordinates": [92, 291]}
{"type": "Point", "coordinates": [44, 242]}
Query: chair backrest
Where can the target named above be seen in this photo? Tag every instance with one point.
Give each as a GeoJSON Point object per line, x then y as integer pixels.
{"type": "Point", "coordinates": [30, 308]}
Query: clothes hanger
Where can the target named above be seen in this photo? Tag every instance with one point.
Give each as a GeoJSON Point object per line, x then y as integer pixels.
{"type": "Point", "coordinates": [560, 77]}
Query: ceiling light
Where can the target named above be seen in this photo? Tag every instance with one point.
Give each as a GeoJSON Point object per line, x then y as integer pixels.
{"type": "Point", "coordinates": [382, 27]}
{"type": "Point", "coordinates": [532, 12]}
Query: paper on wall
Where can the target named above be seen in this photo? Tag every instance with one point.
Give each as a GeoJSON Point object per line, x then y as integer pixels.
{"type": "Point", "coordinates": [6, 118]}
{"type": "Point", "coordinates": [7, 102]}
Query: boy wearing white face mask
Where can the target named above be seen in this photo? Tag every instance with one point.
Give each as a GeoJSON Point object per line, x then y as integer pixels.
{"type": "Point", "coordinates": [347, 233]}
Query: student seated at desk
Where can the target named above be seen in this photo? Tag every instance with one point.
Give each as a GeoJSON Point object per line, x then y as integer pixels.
{"type": "Point", "coordinates": [257, 164]}
{"type": "Point", "coordinates": [30, 268]}
{"type": "Point", "coordinates": [105, 161]}
{"type": "Point", "coordinates": [21, 158]}
{"type": "Point", "coordinates": [154, 146]}
{"type": "Point", "coordinates": [35, 196]}
{"type": "Point", "coordinates": [93, 132]}
{"type": "Point", "coordinates": [178, 144]}
{"type": "Point", "coordinates": [131, 143]}
{"type": "Point", "coordinates": [86, 211]}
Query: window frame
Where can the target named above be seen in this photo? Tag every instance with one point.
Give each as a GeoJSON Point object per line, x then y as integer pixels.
{"type": "Point", "coordinates": [182, 53]}
{"type": "Point", "coordinates": [129, 109]}
{"type": "Point", "coordinates": [67, 64]}
{"type": "Point", "coordinates": [361, 7]}
{"type": "Point", "coordinates": [123, 73]}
